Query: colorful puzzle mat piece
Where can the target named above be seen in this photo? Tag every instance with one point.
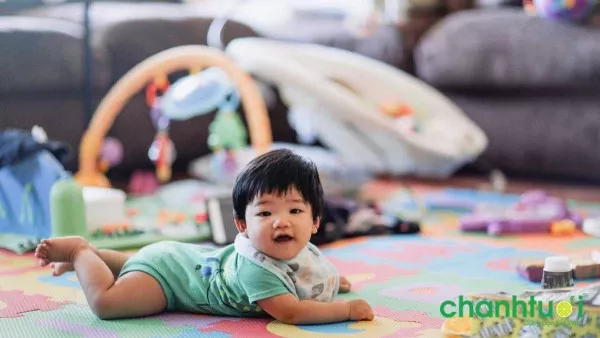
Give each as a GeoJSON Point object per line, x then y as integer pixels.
{"type": "Point", "coordinates": [405, 278]}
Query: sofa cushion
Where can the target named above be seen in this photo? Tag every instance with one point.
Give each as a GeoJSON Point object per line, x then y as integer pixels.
{"type": "Point", "coordinates": [132, 32]}
{"type": "Point", "coordinates": [41, 54]}
{"type": "Point", "coordinates": [506, 48]}
{"type": "Point", "coordinates": [545, 135]}
{"type": "Point", "coordinates": [130, 42]}
{"type": "Point", "coordinates": [103, 14]}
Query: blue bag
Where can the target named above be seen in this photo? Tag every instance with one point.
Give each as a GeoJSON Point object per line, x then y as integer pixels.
{"type": "Point", "coordinates": [29, 167]}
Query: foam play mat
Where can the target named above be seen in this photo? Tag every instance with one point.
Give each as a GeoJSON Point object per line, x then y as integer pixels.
{"type": "Point", "coordinates": [405, 278]}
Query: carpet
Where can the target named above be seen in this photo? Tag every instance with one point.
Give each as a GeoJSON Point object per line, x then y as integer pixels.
{"type": "Point", "coordinates": [405, 278]}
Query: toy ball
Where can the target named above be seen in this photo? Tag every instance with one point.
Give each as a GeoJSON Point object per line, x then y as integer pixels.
{"type": "Point", "coordinates": [575, 11]}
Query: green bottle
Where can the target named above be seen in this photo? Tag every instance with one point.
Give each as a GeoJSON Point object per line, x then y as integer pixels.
{"type": "Point", "coordinates": [67, 209]}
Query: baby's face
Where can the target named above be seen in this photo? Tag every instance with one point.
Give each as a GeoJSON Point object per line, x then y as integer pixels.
{"type": "Point", "coordinates": [280, 226]}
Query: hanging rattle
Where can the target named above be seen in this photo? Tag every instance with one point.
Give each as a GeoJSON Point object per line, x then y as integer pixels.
{"type": "Point", "coordinates": [198, 94]}
{"type": "Point", "coordinates": [162, 150]}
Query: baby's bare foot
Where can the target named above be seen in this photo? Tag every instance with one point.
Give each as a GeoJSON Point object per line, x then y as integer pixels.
{"type": "Point", "coordinates": [59, 250]}
{"type": "Point", "coordinates": [60, 268]}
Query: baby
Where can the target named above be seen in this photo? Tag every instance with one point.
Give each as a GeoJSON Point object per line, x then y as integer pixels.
{"type": "Point", "coordinates": [271, 269]}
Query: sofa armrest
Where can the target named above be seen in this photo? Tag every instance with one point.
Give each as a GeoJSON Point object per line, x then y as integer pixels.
{"type": "Point", "coordinates": [420, 19]}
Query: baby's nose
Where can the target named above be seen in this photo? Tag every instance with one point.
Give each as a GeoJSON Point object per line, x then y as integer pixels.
{"type": "Point", "coordinates": [281, 222]}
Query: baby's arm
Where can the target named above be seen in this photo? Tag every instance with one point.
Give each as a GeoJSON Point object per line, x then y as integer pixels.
{"type": "Point", "coordinates": [288, 309]}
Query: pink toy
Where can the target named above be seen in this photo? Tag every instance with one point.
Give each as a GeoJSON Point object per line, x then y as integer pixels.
{"type": "Point", "coordinates": [143, 183]}
{"type": "Point", "coordinates": [535, 212]}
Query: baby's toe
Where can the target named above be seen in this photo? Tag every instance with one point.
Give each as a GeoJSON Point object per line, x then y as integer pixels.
{"type": "Point", "coordinates": [39, 253]}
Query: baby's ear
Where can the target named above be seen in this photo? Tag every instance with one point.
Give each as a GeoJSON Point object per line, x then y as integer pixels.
{"type": "Point", "coordinates": [240, 224]}
{"type": "Point", "coordinates": [315, 226]}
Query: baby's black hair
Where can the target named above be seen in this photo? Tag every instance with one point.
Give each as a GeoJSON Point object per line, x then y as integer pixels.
{"type": "Point", "coordinates": [276, 172]}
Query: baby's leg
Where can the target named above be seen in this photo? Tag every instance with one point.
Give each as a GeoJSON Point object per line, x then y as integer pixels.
{"type": "Point", "coordinates": [136, 294]}
{"type": "Point", "coordinates": [114, 259]}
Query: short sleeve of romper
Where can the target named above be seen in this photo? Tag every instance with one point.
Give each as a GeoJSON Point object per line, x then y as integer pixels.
{"type": "Point", "coordinates": [259, 283]}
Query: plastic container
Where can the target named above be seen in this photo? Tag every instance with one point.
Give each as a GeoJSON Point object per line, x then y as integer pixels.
{"type": "Point", "coordinates": [67, 209]}
{"type": "Point", "coordinates": [558, 273]}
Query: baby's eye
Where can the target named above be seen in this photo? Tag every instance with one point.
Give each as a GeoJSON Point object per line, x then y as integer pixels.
{"type": "Point", "coordinates": [263, 214]}
{"type": "Point", "coordinates": [296, 211]}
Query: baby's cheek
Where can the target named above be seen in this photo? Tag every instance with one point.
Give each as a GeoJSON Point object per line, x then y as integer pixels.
{"type": "Point", "coordinates": [262, 229]}
{"type": "Point", "coordinates": [261, 240]}
{"type": "Point", "coordinates": [267, 223]}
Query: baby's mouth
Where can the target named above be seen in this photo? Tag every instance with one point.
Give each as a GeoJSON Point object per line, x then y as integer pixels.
{"type": "Point", "coordinates": [284, 239]}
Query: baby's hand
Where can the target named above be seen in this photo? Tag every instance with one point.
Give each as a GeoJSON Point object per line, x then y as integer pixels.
{"type": "Point", "coordinates": [360, 310]}
{"type": "Point", "coordinates": [344, 285]}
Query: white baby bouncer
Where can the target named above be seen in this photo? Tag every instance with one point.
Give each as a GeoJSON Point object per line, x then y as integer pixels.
{"type": "Point", "coordinates": [341, 98]}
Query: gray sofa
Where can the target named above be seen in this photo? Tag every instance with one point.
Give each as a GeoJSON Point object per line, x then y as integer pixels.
{"type": "Point", "coordinates": [529, 83]}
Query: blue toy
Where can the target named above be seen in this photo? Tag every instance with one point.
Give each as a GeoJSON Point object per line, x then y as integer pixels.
{"type": "Point", "coordinates": [196, 94]}
{"type": "Point", "coordinates": [29, 167]}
